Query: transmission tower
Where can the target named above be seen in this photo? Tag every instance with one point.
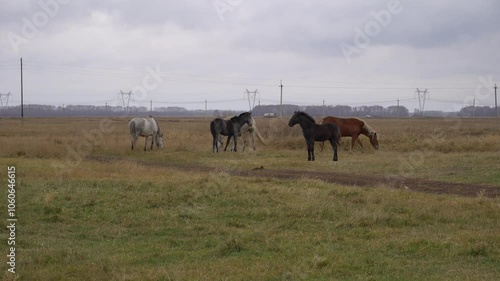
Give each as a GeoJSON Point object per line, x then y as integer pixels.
{"type": "Point", "coordinates": [251, 98]}
{"type": "Point", "coordinates": [5, 98]}
{"type": "Point", "coordinates": [126, 97]}
{"type": "Point", "coordinates": [422, 95]}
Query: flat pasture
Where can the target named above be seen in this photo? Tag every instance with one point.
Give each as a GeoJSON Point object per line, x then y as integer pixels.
{"type": "Point", "coordinates": [425, 206]}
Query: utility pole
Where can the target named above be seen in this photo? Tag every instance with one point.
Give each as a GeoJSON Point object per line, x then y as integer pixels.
{"type": "Point", "coordinates": [398, 111]}
{"type": "Point", "coordinates": [22, 93]}
{"type": "Point", "coordinates": [323, 108]}
{"type": "Point", "coordinates": [421, 100]}
{"type": "Point", "coordinates": [281, 98]}
{"type": "Point", "coordinates": [473, 109]}
{"type": "Point", "coordinates": [496, 107]}
{"type": "Point", "coordinates": [151, 106]}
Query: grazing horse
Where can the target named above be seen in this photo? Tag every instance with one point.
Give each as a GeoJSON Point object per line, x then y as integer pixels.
{"type": "Point", "coordinates": [230, 128]}
{"type": "Point", "coordinates": [145, 127]}
{"type": "Point", "coordinates": [245, 131]}
{"type": "Point", "coordinates": [314, 132]}
{"type": "Point", "coordinates": [353, 127]}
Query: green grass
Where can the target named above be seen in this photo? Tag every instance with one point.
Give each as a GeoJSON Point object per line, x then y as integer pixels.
{"type": "Point", "coordinates": [130, 222]}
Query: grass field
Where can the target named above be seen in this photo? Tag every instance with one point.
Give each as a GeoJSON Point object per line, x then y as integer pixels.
{"type": "Point", "coordinates": [90, 209]}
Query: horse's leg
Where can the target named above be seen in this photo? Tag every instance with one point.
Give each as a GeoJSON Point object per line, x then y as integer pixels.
{"type": "Point", "coordinates": [227, 142]}
{"type": "Point", "coordinates": [220, 139]}
{"type": "Point", "coordinates": [152, 141]}
{"type": "Point", "coordinates": [334, 147]}
{"type": "Point", "coordinates": [360, 144]}
{"type": "Point", "coordinates": [215, 144]}
{"type": "Point", "coordinates": [133, 140]}
{"type": "Point", "coordinates": [321, 145]}
{"type": "Point", "coordinates": [310, 150]}
{"type": "Point", "coordinates": [353, 141]}
{"type": "Point", "coordinates": [235, 138]}
{"type": "Point", "coordinates": [145, 143]}
{"type": "Point", "coordinates": [244, 139]}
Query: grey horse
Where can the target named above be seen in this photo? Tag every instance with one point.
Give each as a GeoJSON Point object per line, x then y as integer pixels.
{"type": "Point", "coordinates": [145, 127]}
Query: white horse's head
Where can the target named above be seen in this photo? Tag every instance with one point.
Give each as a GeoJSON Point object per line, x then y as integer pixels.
{"type": "Point", "coordinates": [159, 140]}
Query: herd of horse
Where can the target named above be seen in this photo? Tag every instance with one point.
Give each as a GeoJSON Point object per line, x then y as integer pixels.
{"type": "Point", "coordinates": [329, 129]}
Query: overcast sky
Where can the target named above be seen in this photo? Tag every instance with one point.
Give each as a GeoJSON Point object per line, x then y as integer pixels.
{"type": "Point", "coordinates": [181, 53]}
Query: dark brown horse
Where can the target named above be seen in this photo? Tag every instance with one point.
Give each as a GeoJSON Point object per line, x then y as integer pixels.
{"type": "Point", "coordinates": [353, 127]}
{"type": "Point", "coordinates": [315, 132]}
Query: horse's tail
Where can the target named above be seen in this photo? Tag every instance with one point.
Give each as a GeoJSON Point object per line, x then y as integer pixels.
{"type": "Point", "coordinates": [212, 129]}
{"type": "Point", "coordinates": [131, 126]}
{"type": "Point", "coordinates": [259, 136]}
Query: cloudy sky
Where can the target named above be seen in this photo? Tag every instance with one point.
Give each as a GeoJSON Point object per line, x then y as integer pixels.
{"type": "Point", "coordinates": [181, 53]}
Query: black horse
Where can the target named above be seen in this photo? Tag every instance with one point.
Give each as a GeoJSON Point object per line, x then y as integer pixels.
{"type": "Point", "coordinates": [315, 132]}
{"type": "Point", "coordinates": [230, 128]}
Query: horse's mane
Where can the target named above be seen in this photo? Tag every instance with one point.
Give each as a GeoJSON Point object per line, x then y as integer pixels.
{"type": "Point", "coordinates": [369, 129]}
{"type": "Point", "coordinates": [306, 115]}
{"type": "Point", "coordinates": [157, 125]}
{"type": "Point", "coordinates": [239, 116]}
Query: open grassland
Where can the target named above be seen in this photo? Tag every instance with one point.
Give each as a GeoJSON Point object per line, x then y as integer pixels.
{"type": "Point", "coordinates": [181, 213]}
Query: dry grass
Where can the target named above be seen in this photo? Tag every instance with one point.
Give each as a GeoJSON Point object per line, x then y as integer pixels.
{"type": "Point", "coordinates": [460, 149]}
{"type": "Point", "coordinates": [51, 137]}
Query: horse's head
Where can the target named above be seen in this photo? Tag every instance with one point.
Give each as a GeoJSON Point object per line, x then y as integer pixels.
{"type": "Point", "coordinates": [159, 140]}
{"type": "Point", "coordinates": [246, 118]}
{"type": "Point", "coordinates": [374, 139]}
{"type": "Point", "coordinates": [294, 120]}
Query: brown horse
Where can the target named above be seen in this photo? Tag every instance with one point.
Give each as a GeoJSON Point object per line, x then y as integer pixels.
{"type": "Point", "coordinates": [352, 127]}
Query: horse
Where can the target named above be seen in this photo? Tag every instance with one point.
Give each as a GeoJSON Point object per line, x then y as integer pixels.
{"type": "Point", "coordinates": [315, 132]}
{"type": "Point", "coordinates": [230, 128]}
{"type": "Point", "coordinates": [353, 127]}
{"type": "Point", "coordinates": [247, 130]}
{"type": "Point", "coordinates": [145, 127]}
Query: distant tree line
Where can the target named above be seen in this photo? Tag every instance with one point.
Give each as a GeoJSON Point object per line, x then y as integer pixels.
{"type": "Point", "coordinates": [37, 110]}
{"type": "Point", "coordinates": [470, 111]}
{"type": "Point", "coordinates": [337, 110]}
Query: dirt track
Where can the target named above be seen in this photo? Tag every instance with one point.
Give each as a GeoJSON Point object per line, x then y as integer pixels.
{"type": "Point", "coordinates": [418, 185]}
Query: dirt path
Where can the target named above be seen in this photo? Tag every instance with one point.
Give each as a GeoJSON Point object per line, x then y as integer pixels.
{"type": "Point", "coordinates": [418, 185]}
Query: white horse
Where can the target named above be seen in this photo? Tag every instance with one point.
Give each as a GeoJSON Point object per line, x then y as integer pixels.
{"type": "Point", "coordinates": [145, 127]}
{"type": "Point", "coordinates": [248, 130]}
